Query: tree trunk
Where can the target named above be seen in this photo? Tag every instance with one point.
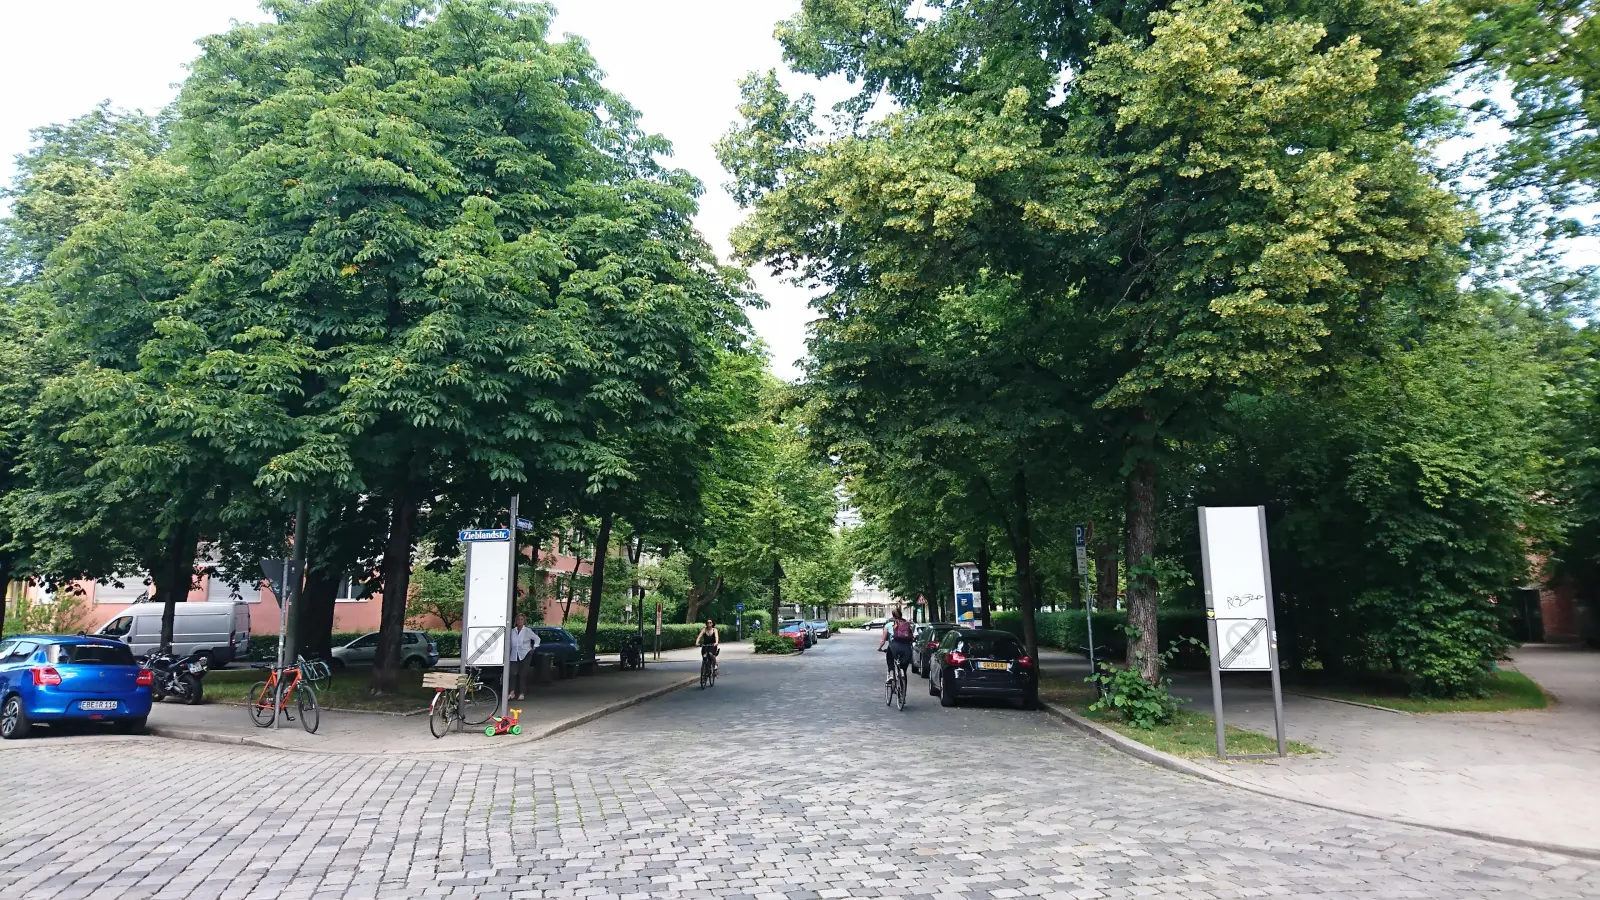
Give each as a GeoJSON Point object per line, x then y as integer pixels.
{"type": "Point", "coordinates": [174, 575]}
{"type": "Point", "coordinates": [777, 592]}
{"type": "Point", "coordinates": [1140, 533]}
{"type": "Point", "coordinates": [314, 634]}
{"type": "Point", "coordinates": [597, 581]}
{"type": "Point", "coordinates": [1022, 549]}
{"type": "Point", "coordinates": [700, 598]}
{"type": "Point", "coordinates": [1105, 571]}
{"type": "Point", "coordinates": [983, 584]}
{"type": "Point", "coordinates": [396, 589]}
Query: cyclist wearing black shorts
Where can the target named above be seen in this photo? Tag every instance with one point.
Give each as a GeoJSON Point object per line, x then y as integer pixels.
{"type": "Point", "coordinates": [710, 642]}
{"type": "Point", "coordinates": [897, 634]}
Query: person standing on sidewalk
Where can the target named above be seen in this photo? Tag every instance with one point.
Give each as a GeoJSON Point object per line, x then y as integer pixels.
{"type": "Point", "coordinates": [523, 642]}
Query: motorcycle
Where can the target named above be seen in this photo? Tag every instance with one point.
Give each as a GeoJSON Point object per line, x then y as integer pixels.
{"type": "Point", "coordinates": [632, 652]}
{"type": "Point", "coordinates": [176, 677]}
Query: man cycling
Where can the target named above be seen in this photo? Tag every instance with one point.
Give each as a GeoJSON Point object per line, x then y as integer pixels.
{"type": "Point", "coordinates": [897, 634]}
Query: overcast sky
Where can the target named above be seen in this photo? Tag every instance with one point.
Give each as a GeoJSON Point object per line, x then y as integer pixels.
{"type": "Point", "coordinates": [678, 62]}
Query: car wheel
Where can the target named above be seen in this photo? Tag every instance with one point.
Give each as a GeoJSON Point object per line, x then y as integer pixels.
{"type": "Point", "coordinates": [14, 719]}
{"type": "Point", "coordinates": [337, 663]}
{"type": "Point", "coordinates": [132, 726]}
{"type": "Point", "coordinates": [947, 693]}
{"type": "Point", "coordinates": [1030, 699]}
{"type": "Point", "coordinates": [933, 686]}
{"type": "Point", "coordinates": [412, 662]}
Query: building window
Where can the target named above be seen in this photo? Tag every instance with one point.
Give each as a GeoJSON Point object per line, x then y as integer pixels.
{"type": "Point", "coordinates": [218, 590]}
{"type": "Point", "coordinates": [133, 589]}
{"type": "Point", "coordinates": [351, 590]}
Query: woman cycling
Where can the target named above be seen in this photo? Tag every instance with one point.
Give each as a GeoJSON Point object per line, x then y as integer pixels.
{"type": "Point", "coordinates": [710, 642]}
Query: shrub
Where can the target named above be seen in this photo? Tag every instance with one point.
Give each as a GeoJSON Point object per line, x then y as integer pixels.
{"type": "Point", "coordinates": [766, 642]}
{"type": "Point", "coordinates": [1140, 703]}
{"type": "Point", "coordinates": [63, 615]}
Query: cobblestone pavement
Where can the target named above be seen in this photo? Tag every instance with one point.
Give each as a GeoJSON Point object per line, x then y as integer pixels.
{"type": "Point", "coordinates": [1533, 775]}
{"type": "Point", "coordinates": [787, 779]}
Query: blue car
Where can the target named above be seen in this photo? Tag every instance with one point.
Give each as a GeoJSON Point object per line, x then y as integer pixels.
{"type": "Point", "coordinates": [47, 679]}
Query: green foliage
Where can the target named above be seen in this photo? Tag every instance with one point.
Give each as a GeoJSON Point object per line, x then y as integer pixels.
{"type": "Point", "coordinates": [1140, 702]}
{"type": "Point", "coordinates": [767, 642]}
{"type": "Point", "coordinates": [62, 615]}
{"type": "Point", "coordinates": [438, 594]}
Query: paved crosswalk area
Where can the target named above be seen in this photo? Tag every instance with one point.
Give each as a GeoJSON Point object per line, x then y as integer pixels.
{"type": "Point", "coordinates": [788, 779]}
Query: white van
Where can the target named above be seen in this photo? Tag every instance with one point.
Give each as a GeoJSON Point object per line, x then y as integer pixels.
{"type": "Point", "coordinates": [218, 631]}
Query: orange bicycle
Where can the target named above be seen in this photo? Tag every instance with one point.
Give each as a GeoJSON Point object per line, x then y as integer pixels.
{"type": "Point", "coordinates": [270, 699]}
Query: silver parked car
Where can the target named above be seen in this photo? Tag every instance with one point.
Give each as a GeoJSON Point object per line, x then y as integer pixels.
{"type": "Point", "coordinates": [416, 651]}
{"type": "Point", "coordinates": [820, 629]}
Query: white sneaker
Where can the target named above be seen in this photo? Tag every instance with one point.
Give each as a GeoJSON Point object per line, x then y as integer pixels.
{"type": "Point", "coordinates": [888, 678]}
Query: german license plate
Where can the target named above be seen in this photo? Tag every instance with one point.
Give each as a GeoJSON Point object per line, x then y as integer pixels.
{"type": "Point", "coordinates": [994, 665]}
{"type": "Point", "coordinates": [97, 704]}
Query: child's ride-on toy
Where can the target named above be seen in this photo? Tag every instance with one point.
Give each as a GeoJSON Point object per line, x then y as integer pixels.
{"type": "Point", "coordinates": [505, 724]}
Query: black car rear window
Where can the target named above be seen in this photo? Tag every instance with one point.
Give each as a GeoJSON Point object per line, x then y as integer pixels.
{"type": "Point", "coordinates": [92, 654]}
{"type": "Point", "coordinates": [991, 646]}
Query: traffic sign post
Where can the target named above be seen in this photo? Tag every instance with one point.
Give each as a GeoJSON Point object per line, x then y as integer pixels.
{"type": "Point", "coordinates": [1239, 613]}
{"type": "Point", "coordinates": [738, 617]}
{"type": "Point", "coordinates": [658, 629]}
{"type": "Point", "coordinates": [1080, 543]}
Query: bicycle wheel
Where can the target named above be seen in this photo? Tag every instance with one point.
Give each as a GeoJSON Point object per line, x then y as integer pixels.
{"type": "Point", "coordinates": [306, 702]}
{"type": "Point", "coordinates": [888, 691]}
{"type": "Point", "coordinates": [900, 688]}
{"type": "Point", "coordinates": [442, 713]}
{"type": "Point", "coordinates": [262, 708]}
{"type": "Point", "coordinates": [480, 703]}
{"type": "Point", "coordinates": [705, 672]}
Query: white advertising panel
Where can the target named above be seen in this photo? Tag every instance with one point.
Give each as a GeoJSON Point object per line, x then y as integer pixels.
{"type": "Point", "coordinates": [488, 587]}
{"type": "Point", "coordinates": [1233, 548]}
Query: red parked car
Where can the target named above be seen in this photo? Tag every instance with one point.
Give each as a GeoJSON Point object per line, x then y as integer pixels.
{"type": "Point", "coordinates": [798, 632]}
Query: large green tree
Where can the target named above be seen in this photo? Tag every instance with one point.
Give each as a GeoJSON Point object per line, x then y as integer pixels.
{"type": "Point", "coordinates": [1189, 200]}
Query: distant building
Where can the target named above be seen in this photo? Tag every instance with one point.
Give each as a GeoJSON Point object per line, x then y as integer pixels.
{"type": "Point", "coordinates": [866, 599]}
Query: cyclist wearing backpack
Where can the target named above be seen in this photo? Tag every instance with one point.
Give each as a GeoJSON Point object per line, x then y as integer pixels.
{"type": "Point", "coordinates": [897, 637]}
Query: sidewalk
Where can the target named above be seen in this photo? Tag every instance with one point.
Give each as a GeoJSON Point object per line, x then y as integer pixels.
{"type": "Point", "coordinates": [1528, 776]}
{"type": "Point", "coordinates": [556, 707]}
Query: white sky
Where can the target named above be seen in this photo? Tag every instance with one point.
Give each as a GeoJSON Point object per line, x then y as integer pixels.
{"type": "Point", "coordinates": [678, 62]}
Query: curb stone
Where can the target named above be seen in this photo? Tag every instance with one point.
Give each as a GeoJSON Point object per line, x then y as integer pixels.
{"type": "Point", "coordinates": [567, 724]}
{"type": "Point", "coordinates": [1177, 764]}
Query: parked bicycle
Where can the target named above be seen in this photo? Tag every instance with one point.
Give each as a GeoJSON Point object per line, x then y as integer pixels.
{"type": "Point", "coordinates": [316, 672]}
{"type": "Point", "coordinates": [270, 699]}
{"type": "Point", "coordinates": [457, 698]}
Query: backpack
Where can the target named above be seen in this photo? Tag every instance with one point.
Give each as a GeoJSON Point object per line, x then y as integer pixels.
{"type": "Point", "coordinates": [902, 630]}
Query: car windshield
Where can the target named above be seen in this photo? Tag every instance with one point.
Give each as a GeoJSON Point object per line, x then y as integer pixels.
{"type": "Point", "coordinates": [991, 646]}
{"type": "Point", "coordinates": [91, 654]}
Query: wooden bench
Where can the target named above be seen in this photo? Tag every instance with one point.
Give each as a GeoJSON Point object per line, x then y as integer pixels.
{"type": "Point", "coordinates": [447, 681]}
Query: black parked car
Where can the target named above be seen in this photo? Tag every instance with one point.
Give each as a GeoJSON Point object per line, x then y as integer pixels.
{"type": "Point", "coordinates": [925, 642]}
{"type": "Point", "coordinates": [971, 663]}
{"type": "Point", "coordinates": [560, 645]}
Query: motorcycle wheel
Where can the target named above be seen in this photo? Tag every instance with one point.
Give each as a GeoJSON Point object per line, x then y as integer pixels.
{"type": "Point", "coordinates": [192, 690]}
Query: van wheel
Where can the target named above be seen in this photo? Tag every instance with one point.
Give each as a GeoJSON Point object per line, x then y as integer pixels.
{"type": "Point", "coordinates": [14, 722]}
{"type": "Point", "coordinates": [209, 657]}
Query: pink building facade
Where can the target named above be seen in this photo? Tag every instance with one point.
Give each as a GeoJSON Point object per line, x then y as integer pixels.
{"type": "Point", "coordinates": [352, 612]}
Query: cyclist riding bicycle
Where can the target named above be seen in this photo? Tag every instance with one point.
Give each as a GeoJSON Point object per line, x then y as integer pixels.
{"type": "Point", "coordinates": [710, 642]}
{"type": "Point", "coordinates": [897, 637]}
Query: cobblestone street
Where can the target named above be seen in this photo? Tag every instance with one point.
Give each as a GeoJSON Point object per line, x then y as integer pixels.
{"type": "Point", "coordinates": [788, 778]}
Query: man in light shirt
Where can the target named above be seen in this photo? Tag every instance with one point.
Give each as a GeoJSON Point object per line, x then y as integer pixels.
{"type": "Point", "coordinates": [523, 642]}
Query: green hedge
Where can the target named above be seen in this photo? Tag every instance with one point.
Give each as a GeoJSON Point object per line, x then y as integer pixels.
{"type": "Point", "coordinates": [765, 642]}
{"type": "Point", "coordinates": [1067, 631]}
{"type": "Point", "coordinates": [856, 622]}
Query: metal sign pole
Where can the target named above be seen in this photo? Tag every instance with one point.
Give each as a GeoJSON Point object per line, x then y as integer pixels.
{"type": "Point", "coordinates": [1211, 635]}
{"type": "Point", "coordinates": [1081, 543]}
{"type": "Point", "coordinates": [1272, 636]}
{"type": "Point", "coordinates": [461, 683]}
{"type": "Point", "coordinates": [511, 616]}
